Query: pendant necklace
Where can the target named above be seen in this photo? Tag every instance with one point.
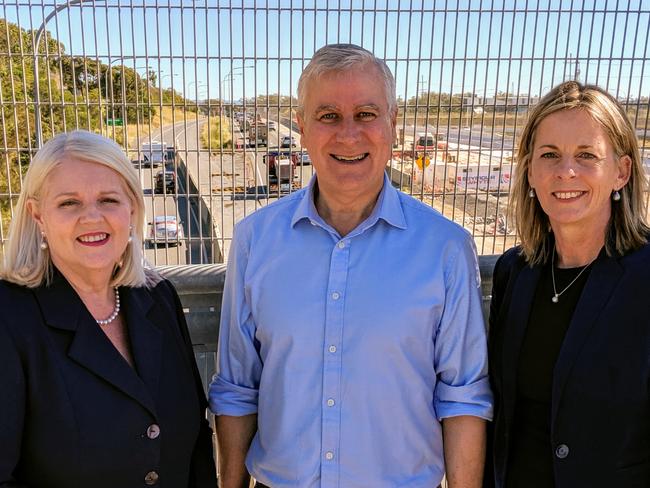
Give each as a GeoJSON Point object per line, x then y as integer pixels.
{"type": "Point", "coordinates": [556, 295]}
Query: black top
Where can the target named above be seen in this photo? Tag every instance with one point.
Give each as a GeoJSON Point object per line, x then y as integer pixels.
{"type": "Point", "coordinates": [531, 457]}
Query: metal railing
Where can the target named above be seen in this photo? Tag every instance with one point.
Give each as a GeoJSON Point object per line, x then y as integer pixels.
{"type": "Point", "coordinates": [204, 76]}
{"type": "Point", "coordinates": [201, 289]}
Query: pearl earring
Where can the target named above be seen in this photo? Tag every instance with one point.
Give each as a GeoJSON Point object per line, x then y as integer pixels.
{"type": "Point", "coordinates": [130, 240]}
{"type": "Point", "coordinates": [616, 196]}
{"type": "Point", "coordinates": [43, 241]}
{"type": "Point", "coordinates": [531, 193]}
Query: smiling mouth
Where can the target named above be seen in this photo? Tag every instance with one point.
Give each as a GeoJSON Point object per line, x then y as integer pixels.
{"type": "Point", "coordinates": [93, 239]}
{"type": "Point", "coordinates": [568, 195]}
{"type": "Point", "coordinates": [350, 159]}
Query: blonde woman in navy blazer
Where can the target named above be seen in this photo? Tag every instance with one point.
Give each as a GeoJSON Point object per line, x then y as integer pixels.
{"type": "Point", "coordinates": [569, 338]}
{"type": "Point", "coordinates": [97, 376]}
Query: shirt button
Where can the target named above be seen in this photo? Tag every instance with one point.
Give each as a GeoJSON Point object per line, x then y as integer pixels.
{"type": "Point", "coordinates": [329, 455]}
{"type": "Point", "coordinates": [332, 349]}
{"type": "Point", "coordinates": [341, 244]}
{"type": "Point", "coordinates": [562, 451]}
{"type": "Point", "coordinates": [151, 478]}
{"type": "Point", "coordinates": [330, 402]}
{"type": "Point", "coordinates": [153, 431]}
{"type": "Point", "coordinates": [336, 295]}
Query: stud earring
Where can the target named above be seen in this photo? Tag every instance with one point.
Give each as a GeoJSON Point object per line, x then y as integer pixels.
{"type": "Point", "coordinates": [130, 240]}
{"type": "Point", "coordinates": [531, 193]}
{"type": "Point", "coordinates": [43, 241]}
{"type": "Point", "coordinates": [616, 196]}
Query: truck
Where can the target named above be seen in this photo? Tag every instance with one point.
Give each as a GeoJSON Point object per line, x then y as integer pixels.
{"type": "Point", "coordinates": [258, 133]}
{"type": "Point", "coordinates": [154, 153]}
{"type": "Point", "coordinates": [282, 168]}
{"type": "Point", "coordinates": [429, 142]}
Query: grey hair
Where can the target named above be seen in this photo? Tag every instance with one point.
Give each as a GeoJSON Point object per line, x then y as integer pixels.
{"type": "Point", "coordinates": [342, 58]}
{"type": "Point", "coordinates": [25, 263]}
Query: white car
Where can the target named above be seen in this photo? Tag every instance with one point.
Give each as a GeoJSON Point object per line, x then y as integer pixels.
{"type": "Point", "coordinates": [165, 230]}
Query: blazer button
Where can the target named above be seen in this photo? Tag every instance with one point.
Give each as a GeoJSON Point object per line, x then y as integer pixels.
{"type": "Point", "coordinates": [562, 451]}
{"type": "Point", "coordinates": [153, 431]}
{"type": "Point", "coordinates": [151, 478]}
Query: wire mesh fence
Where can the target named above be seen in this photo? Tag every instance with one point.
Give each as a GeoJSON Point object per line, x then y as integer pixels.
{"type": "Point", "coordinates": [201, 96]}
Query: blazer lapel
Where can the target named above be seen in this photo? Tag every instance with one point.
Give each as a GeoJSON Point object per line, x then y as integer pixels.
{"type": "Point", "coordinates": [63, 309]}
{"type": "Point", "coordinates": [602, 281]}
{"type": "Point", "coordinates": [523, 292]}
{"type": "Point", "coordinates": [146, 337]}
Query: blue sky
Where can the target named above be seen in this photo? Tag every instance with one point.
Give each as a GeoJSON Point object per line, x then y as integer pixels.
{"type": "Point", "coordinates": [231, 48]}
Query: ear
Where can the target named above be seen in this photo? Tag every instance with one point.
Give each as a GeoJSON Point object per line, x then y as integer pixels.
{"type": "Point", "coordinates": [301, 126]}
{"type": "Point", "coordinates": [34, 211]}
{"type": "Point", "coordinates": [529, 173]}
{"type": "Point", "coordinates": [393, 121]}
{"type": "Point", "coordinates": [624, 171]}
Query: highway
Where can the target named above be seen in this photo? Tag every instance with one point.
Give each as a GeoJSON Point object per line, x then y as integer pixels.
{"type": "Point", "coordinates": [217, 189]}
{"type": "Point", "coordinates": [185, 203]}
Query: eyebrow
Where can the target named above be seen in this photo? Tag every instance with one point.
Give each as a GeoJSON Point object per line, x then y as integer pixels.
{"type": "Point", "coordinates": [551, 146]}
{"type": "Point", "coordinates": [325, 107]}
{"type": "Point", "coordinates": [75, 194]}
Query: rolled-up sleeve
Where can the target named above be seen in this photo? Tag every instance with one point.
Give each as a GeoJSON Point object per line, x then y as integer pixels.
{"type": "Point", "coordinates": [234, 389]}
{"type": "Point", "coordinates": [462, 386]}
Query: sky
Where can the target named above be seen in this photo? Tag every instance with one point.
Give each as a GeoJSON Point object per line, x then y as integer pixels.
{"type": "Point", "coordinates": [231, 49]}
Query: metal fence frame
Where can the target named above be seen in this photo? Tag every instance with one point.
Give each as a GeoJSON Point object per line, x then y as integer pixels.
{"type": "Point", "coordinates": [457, 63]}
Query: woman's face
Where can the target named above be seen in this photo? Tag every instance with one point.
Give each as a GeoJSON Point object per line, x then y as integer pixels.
{"type": "Point", "coordinates": [574, 171]}
{"type": "Point", "coordinates": [85, 213]}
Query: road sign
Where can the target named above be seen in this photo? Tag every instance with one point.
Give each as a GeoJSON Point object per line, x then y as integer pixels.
{"type": "Point", "coordinates": [119, 122]}
{"type": "Point", "coordinates": [423, 162]}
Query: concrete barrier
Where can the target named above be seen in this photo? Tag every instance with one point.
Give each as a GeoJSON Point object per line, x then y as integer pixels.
{"type": "Point", "coordinates": [200, 288]}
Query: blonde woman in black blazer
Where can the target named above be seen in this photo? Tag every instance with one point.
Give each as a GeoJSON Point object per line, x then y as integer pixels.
{"type": "Point", "coordinates": [569, 338]}
{"type": "Point", "coordinates": [98, 380]}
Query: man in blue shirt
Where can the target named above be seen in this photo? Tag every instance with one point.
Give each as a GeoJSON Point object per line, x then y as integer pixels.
{"type": "Point", "coordinates": [352, 346]}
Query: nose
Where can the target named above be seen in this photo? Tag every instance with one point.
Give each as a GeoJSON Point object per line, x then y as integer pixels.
{"type": "Point", "coordinates": [348, 132]}
{"type": "Point", "coordinates": [91, 213]}
{"type": "Point", "coordinates": [566, 168]}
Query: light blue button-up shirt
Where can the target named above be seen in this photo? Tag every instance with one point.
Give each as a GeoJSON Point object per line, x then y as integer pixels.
{"type": "Point", "coordinates": [351, 349]}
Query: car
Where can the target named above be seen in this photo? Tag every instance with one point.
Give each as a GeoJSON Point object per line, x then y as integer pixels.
{"type": "Point", "coordinates": [305, 158]}
{"type": "Point", "coordinates": [288, 141]}
{"type": "Point", "coordinates": [165, 230]}
{"type": "Point", "coordinates": [165, 181]}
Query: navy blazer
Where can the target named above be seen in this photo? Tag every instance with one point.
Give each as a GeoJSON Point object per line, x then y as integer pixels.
{"type": "Point", "coordinates": [73, 413]}
{"type": "Point", "coordinates": [600, 412]}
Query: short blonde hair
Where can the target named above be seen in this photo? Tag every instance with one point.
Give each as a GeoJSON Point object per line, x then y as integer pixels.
{"type": "Point", "coordinates": [25, 263]}
{"type": "Point", "coordinates": [627, 229]}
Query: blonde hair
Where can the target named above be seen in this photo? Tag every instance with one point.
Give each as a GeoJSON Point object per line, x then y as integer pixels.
{"type": "Point", "coordinates": [627, 229]}
{"type": "Point", "coordinates": [342, 58]}
{"type": "Point", "coordinates": [25, 263]}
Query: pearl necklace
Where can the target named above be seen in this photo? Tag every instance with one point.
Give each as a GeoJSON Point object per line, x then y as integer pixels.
{"type": "Point", "coordinates": [556, 295]}
{"type": "Point", "coordinates": [116, 311]}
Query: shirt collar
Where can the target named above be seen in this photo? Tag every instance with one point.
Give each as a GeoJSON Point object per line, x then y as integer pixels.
{"type": "Point", "coordinates": [387, 208]}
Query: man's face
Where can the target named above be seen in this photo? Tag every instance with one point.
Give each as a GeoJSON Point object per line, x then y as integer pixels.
{"type": "Point", "coordinates": [348, 129]}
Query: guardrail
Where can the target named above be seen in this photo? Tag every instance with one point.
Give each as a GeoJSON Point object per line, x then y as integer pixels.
{"type": "Point", "coordinates": [200, 288]}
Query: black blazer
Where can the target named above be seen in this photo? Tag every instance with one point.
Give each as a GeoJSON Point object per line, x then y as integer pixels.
{"type": "Point", "coordinates": [73, 413]}
{"type": "Point", "coordinates": [600, 413]}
